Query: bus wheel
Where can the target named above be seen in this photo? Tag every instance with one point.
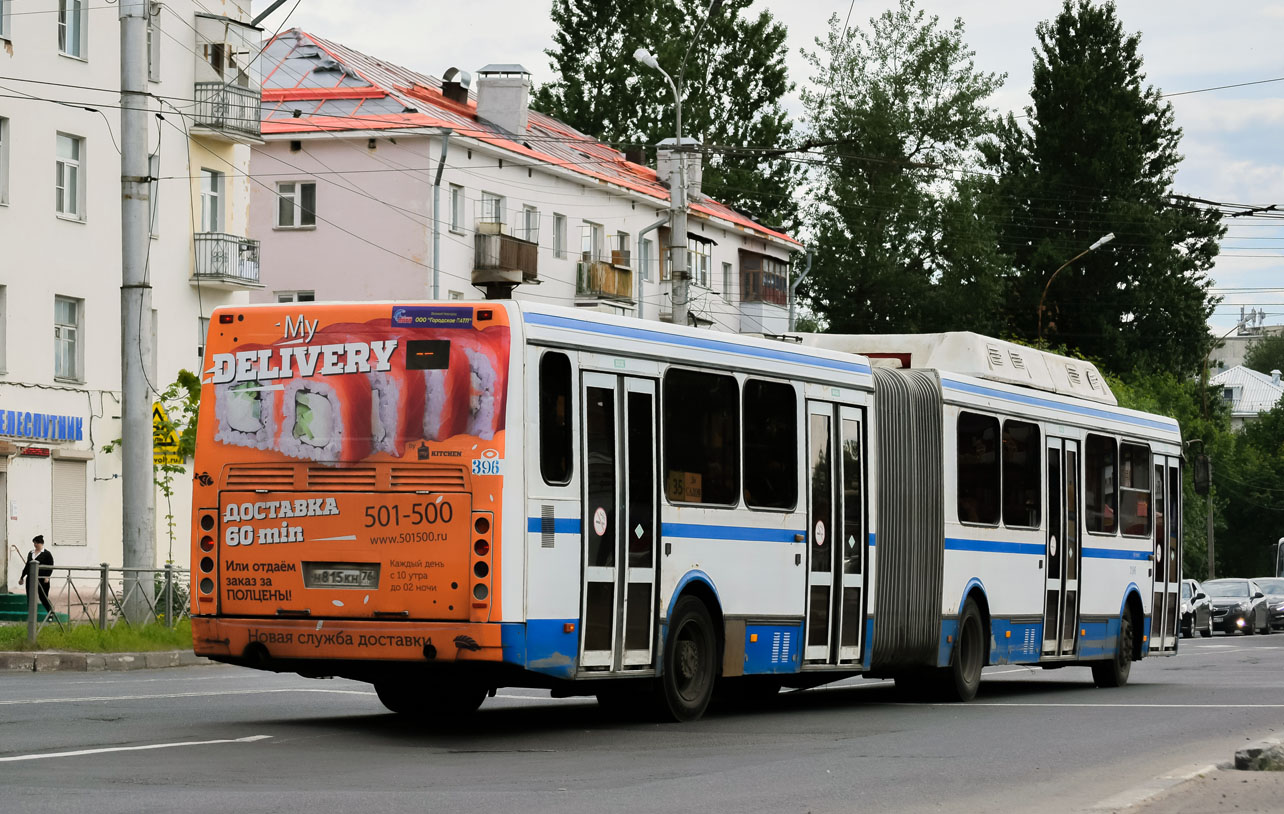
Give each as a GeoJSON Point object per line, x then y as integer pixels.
{"type": "Point", "coordinates": [690, 662]}
{"type": "Point", "coordinates": [1114, 673]}
{"type": "Point", "coordinates": [444, 701]}
{"type": "Point", "coordinates": [963, 676]}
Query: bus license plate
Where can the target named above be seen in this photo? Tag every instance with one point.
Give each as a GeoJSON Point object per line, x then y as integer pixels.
{"type": "Point", "coordinates": [340, 575]}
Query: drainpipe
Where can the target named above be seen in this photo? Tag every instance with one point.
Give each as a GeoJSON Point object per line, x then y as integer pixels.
{"type": "Point", "coordinates": [436, 218]}
{"type": "Point", "coordinates": [793, 288]}
{"type": "Point", "coordinates": [662, 221]}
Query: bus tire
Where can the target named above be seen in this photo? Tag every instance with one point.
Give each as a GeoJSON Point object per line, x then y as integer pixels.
{"type": "Point", "coordinates": [963, 677]}
{"type": "Point", "coordinates": [1114, 673]}
{"type": "Point", "coordinates": [445, 702]}
{"type": "Point", "coordinates": [684, 689]}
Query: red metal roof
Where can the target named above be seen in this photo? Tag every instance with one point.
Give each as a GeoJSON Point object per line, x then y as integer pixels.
{"type": "Point", "coordinates": [313, 85]}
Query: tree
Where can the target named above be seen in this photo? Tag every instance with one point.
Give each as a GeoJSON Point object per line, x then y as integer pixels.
{"type": "Point", "coordinates": [1266, 354]}
{"type": "Point", "coordinates": [1098, 155]}
{"type": "Point", "coordinates": [902, 234]}
{"type": "Point", "coordinates": [734, 80]}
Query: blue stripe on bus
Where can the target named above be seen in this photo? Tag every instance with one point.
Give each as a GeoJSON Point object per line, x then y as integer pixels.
{"type": "Point", "coordinates": [1037, 401]}
{"type": "Point", "coordinates": [561, 525]}
{"type": "Point", "coordinates": [1114, 554]}
{"type": "Point", "coordinates": [704, 532]}
{"type": "Point", "coordinates": [699, 343]}
{"type": "Point", "coordinates": [993, 546]}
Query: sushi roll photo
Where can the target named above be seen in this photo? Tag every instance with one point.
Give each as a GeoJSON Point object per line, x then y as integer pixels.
{"type": "Point", "coordinates": [326, 418]}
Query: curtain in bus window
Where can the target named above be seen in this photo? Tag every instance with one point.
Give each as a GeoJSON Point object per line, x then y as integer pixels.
{"type": "Point", "coordinates": [1021, 483]}
{"type": "Point", "coordinates": [978, 469]}
{"type": "Point", "coordinates": [701, 438]}
{"type": "Point", "coordinates": [1134, 489]}
{"type": "Point", "coordinates": [1099, 499]}
{"type": "Point", "coordinates": [770, 441]}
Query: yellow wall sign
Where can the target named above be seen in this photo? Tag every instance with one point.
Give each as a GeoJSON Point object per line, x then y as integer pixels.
{"type": "Point", "coordinates": [164, 439]}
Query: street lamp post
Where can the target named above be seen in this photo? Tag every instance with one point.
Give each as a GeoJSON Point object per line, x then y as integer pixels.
{"type": "Point", "coordinates": [678, 196]}
{"type": "Point", "coordinates": [1203, 391]}
{"type": "Point", "coordinates": [1100, 242]}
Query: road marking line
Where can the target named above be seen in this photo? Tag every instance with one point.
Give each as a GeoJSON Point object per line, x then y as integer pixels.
{"type": "Point", "coordinates": [90, 698]}
{"type": "Point", "coordinates": [81, 752]}
{"type": "Point", "coordinates": [1087, 706]}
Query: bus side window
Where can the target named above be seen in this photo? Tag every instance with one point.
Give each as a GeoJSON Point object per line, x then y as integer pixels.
{"type": "Point", "coordinates": [770, 445]}
{"type": "Point", "coordinates": [1022, 474]}
{"type": "Point", "coordinates": [1100, 496]}
{"type": "Point", "coordinates": [701, 438]}
{"type": "Point", "coordinates": [978, 469]}
{"type": "Point", "coordinates": [1134, 489]}
{"type": "Point", "coordinates": [556, 457]}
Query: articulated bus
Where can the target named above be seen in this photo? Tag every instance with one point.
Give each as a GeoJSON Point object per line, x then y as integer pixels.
{"type": "Point", "coordinates": [442, 499]}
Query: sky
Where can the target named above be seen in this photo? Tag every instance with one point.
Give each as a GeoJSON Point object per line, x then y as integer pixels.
{"type": "Point", "coordinates": [1233, 139]}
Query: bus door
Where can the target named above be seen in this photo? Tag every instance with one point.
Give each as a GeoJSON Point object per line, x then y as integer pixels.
{"type": "Point", "coordinates": [1166, 560]}
{"type": "Point", "coordinates": [836, 539]}
{"type": "Point", "coordinates": [618, 594]}
{"type": "Point", "coordinates": [1061, 579]}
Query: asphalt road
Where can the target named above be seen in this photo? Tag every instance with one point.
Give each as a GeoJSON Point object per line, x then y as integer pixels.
{"type": "Point", "coordinates": [222, 739]}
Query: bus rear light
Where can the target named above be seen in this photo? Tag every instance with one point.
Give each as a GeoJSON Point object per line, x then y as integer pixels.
{"type": "Point", "coordinates": [482, 524]}
{"type": "Point", "coordinates": [207, 543]}
{"type": "Point", "coordinates": [481, 547]}
{"type": "Point", "coordinates": [481, 569]}
{"type": "Point", "coordinates": [479, 604]}
{"type": "Point", "coordinates": [480, 591]}
{"type": "Point", "coordinates": [207, 522]}
{"type": "Point", "coordinates": [568, 627]}
{"type": "Point", "coordinates": [207, 565]}
{"type": "Point", "coordinates": [207, 586]}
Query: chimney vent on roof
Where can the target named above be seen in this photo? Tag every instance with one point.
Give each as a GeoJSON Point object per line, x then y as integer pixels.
{"type": "Point", "coordinates": [503, 96]}
{"type": "Point", "coordinates": [1275, 378]}
{"type": "Point", "coordinates": [455, 84]}
{"type": "Point", "coordinates": [635, 155]}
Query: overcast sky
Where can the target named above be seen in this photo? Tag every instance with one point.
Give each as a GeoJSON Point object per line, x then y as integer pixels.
{"type": "Point", "coordinates": [1232, 138]}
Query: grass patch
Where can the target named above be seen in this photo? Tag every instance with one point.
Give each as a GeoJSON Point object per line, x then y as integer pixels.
{"type": "Point", "coordinates": [86, 638]}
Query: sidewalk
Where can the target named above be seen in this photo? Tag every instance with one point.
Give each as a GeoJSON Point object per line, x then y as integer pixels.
{"type": "Point", "coordinates": [1220, 790]}
{"type": "Point", "coordinates": [44, 661]}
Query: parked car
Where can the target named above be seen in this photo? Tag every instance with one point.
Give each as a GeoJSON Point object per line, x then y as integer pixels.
{"type": "Point", "coordinates": [1273, 587]}
{"type": "Point", "coordinates": [1196, 610]}
{"type": "Point", "coordinates": [1238, 604]}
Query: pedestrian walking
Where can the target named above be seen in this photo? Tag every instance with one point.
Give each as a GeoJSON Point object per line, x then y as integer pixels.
{"type": "Point", "coordinates": [45, 558]}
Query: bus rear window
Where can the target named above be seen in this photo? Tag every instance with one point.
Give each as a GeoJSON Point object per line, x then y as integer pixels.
{"type": "Point", "coordinates": [701, 438]}
{"type": "Point", "coordinates": [555, 453]}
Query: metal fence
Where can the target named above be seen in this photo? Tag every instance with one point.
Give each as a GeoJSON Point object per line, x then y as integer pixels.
{"type": "Point", "coordinates": [105, 597]}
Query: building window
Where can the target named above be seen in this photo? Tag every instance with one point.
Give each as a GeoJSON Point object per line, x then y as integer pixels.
{"type": "Point", "coordinates": [296, 296]}
{"type": "Point", "coordinates": [1100, 489]}
{"type": "Point", "coordinates": [978, 469]}
{"type": "Point", "coordinates": [771, 438]}
{"type": "Point", "coordinates": [296, 205]}
{"type": "Point", "coordinates": [202, 332]}
{"type": "Point", "coordinates": [701, 438]}
{"type": "Point", "coordinates": [456, 208]}
{"type": "Point", "coordinates": [1022, 474]}
{"type": "Point", "coordinates": [592, 242]}
{"type": "Point", "coordinates": [3, 325]}
{"type": "Point", "coordinates": [68, 515]}
{"type": "Point", "coordinates": [698, 262]}
{"type": "Point", "coordinates": [456, 295]}
{"type": "Point", "coordinates": [67, 187]}
{"type": "Point", "coordinates": [726, 281]}
{"type": "Point", "coordinates": [153, 42]}
{"type": "Point", "coordinates": [620, 250]}
{"type": "Point", "coordinates": [492, 208]}
{"type": "Point", "coordinates": [4, 18]}
{"type": "Point", "coordinates": [68, 314]}
{"type": "Point", "coordinates": [4, 159]}
{"type": "Point", "coordinates": [153, 192]}
{"type": "Point", "coordinates": [556, 449]}
{"type": "Point", "coordinates": [559, 235]}
{"type": "Point", "coordinates": [211, 201]}
{"type": "Point", "coordinates": [763, 279]}
{"type": "Point", "coordinates": [71, 27]}
{"type": "Point", "coordinates": [644, 258]}
{"type": "Point", "coordinates": [530, 224]}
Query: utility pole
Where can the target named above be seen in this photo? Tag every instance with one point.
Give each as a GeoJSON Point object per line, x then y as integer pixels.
{"type": "Point", "coordinates": [138, 520]}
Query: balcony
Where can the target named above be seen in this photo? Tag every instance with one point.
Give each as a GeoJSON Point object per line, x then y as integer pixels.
{"type": "Point", "coordinates": [502, 258]}
{"type": "Point", "coordinates": [763, 286]}
{"type": "Point", "coordinates": [603, 280]}
{"type": "Point", "coordinates": [229, 112]}
{"type": "Point", "coordinates": [229, 262]}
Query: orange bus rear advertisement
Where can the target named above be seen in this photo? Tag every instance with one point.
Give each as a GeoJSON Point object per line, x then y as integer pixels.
{"type": "Point", "coordinates": [346, 500]}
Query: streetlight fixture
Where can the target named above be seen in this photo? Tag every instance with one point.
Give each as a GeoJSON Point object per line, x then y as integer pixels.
{"type": "Point", "coordinates": [1100, 242]}
{"type": "Point", "coordinates": [678, 197]}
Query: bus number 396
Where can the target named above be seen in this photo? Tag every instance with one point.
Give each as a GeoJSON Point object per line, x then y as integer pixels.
{"type": "Point", "coordinates": [419, 514]}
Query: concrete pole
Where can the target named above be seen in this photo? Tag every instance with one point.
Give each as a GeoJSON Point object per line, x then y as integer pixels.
{"type": "Point", "coordinates": [1212, 566]}
{"type": "Point", "coordinates": [138, 520]}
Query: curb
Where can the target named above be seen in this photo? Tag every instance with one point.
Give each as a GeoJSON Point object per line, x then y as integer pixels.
{"type": "Point", "coordinates": [47, 661]}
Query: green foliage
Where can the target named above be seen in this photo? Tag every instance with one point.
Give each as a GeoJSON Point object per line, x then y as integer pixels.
{"type": "Point", "coordinates": [901, 245]}
{"type": "Point", "coordinates": [1099, 155]}
{"type": "Point", "coordinates": [1266, 354]}
{"type": "Point", "coordinates": [89, 639]}
{"type": "Point", "coordinates": [732, 84]}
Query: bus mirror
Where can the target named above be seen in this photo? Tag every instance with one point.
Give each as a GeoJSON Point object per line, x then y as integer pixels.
{"type": "Point", "coordinates": [1203, 474]}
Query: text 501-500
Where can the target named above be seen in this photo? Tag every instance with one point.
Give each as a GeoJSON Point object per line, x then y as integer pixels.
{"type": "Point", "coordinates": [418, 514]}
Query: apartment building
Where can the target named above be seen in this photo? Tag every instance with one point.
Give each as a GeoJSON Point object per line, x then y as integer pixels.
{"type": "Point", "coordinates": [379, 182]}
{"type": "Point", "coordinates": [60, 248]}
